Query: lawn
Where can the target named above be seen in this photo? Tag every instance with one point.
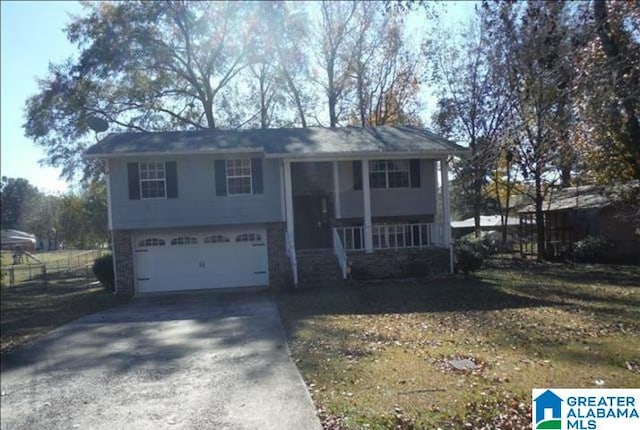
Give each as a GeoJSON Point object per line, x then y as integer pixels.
{"type": "Point", "coordinates": [376, 355]}
{"type": "Point", "coordinates": [32, 309]}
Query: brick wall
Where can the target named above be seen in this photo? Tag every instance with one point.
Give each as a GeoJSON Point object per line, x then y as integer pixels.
{"type": "Point", "coordinates": [124, 262]}
{"type": "Point", "coordinates": [401, 263]}
{"type": "Point", "coordinates": [280, 274]}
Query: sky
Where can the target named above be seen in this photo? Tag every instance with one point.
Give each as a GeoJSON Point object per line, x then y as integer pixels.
{"type": "Point", "coordinates": [32, 37]}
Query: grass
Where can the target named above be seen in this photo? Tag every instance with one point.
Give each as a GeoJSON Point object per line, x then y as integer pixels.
{"type": "Point", "coordinates": [32, 309]}
{"type": "Point", "coordinates": [375, 354]}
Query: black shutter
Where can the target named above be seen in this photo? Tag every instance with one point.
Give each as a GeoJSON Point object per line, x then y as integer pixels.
{"type": "Point", "coordinates": [221, 178]}
{"type": "Point", "coordinates": [357, 175]}
{"type": "Point", "coordinates": [134, 181]}
{"type": "Point", "coordinates": [256, 175]}
{"type": "Point", "coordinates": [171, 173]}
{"type": "Point", "coordinates": [414, 172]}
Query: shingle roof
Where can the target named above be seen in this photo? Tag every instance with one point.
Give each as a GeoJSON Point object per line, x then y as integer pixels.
{"type": "Point", "coordinates": [582, 197]}
{"type": "Point", "coordinates": [281, 141]}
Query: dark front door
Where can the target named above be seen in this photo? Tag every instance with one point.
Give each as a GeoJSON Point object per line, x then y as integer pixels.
{"type": "Point", "coordinates": [311, 222]}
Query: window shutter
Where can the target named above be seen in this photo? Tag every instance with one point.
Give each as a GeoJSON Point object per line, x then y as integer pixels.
{"type": "Point", "coordinates": [134, 181]}
{"type": "Point", "coordinates": [221, 178]}
{"type": "Point", "coordinates": [171, 173]}
{"type": "Point", "coordinates": [414, 172]}
{"type": "Point", "coordinates": [256, 175]}
{"type": "Point", "coordinates": [357, 175]}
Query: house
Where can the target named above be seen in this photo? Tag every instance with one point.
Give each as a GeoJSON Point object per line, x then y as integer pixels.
{"type": "Point", "coordinates": [489, 224]}
{"type": "Point", "coordinates": [574, 213]}
{"type": "Point", "coordinates": [277, 207]}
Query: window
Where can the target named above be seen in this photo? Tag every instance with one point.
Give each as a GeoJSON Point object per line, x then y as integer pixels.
{"type": "Point", "coordinates": [389, 173]}
{"type": "Point", "coordinates": [249, 237]}
{"type": "Point", "coordinates": [153, 184]}
{"type": "Point", "coordinates": [216, 238]}
{"type": "Point", "coordinates": [239, 176]}
{"type": "Point", "coordinates": [184, 240]}
{"type": "Point", "coordinates": [152, 241]}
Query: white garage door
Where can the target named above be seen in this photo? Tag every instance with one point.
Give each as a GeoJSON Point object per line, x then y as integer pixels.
{"type": "Point", "coordinates": [192, 261]}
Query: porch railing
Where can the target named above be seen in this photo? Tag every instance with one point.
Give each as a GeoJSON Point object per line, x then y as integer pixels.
{"type": "Point", "coordinates": [291, 253]}
{"type": "Point", "coordinates": [340, 253]}
{"type": "Point", "coordinates": [393, 236]}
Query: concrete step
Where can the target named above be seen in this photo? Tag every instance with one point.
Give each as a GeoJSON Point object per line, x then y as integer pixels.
{"type": "Point", "coordinates": [318, 268]}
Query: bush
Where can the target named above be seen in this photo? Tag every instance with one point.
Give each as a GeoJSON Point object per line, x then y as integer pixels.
{"type": "Point", "coordinates": [103, 270]}
{"type": "Point", "coordinates": [591, 249]}
{"type": "Point", "coordinates": [470, 254]}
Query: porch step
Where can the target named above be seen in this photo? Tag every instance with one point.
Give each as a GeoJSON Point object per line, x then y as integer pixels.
{"type": "Point", "coordinates": [318, 268]}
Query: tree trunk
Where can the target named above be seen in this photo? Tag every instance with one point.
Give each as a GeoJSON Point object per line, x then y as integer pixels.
{"type": "Point", "coordinates": [296, 98]}
{"type": "Point", "coordinates": [539, 217]}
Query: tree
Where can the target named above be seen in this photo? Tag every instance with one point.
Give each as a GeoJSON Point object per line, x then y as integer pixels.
{"type": "Point", "coordinates": [534, 38]}
{"type": "Point", "coordinates": [141, 66]}
{"type": "Point", "coordinates": [18, 199]}
{"type": "Point", "coordinates": [475, 104]}
{"type": "Point", "coordinates": [83, 217]}
{"type": "Point", "coordinates": [336, 56]}
{"type": "Point", "coordinates": [384, 73]}
{"type": "Point", "coordinates": [607, 89]}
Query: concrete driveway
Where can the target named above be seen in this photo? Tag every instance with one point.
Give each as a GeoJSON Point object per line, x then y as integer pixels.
{"type": "Point", "coordinates": [198, 361]}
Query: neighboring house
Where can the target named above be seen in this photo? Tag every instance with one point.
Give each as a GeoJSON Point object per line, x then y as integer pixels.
{"type": "Point", "coordinates": [223, 209]}
{"type": "Point", "coordinates": [488, 224]}
{"type": "Point", "coordinates": [572, 214]}
{"type": "Point", "coordinates": [14, 239]}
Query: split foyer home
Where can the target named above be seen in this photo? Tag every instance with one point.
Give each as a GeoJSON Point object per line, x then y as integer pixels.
{"type": "Point", "coordinates": [275, 207]}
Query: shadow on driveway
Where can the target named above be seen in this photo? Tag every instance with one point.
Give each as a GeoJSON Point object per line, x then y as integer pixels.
{"type": "Point", "coordinates": [199, 360]}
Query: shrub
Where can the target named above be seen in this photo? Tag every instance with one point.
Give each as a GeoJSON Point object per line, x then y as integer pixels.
{"type": "Point", "coordinates": [470, 255]}
{"type": "Point", "coordinates": [591, 249]}
{"type": "Point", "coordinates": [103, 270]}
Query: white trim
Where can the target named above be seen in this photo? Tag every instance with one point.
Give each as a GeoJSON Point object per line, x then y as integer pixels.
{"type": "Point", "coordinates": [172, 153]}
{"type": "Point", "coordinates": [227, 176]}
{"type": "Point", "coordinates": [164, 179]}
{"type": "Point", "coordinates": [386, 172]}
{"type": "Point", "coordinates": [115, 267]}
{"type": "Point", "coordinates": [109, 209]}
{"type": "Point", "coordinates": [324, 156]}
{"type": "Point", "coordinates": [289, 201]}
{"type": "Point", "coordinates": [366, 193]}
{"type": "Point", "coordinates": [283, 206]}
{"type": "Point", "coordinates": [336, 191]}
{"type": "Point", "coordinates": [444, 170]}
{"type": "Point", "coordinates": [370, 155]}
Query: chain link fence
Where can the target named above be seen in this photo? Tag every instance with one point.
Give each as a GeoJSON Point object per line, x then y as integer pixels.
{"type": "Point", "coordinates": [14, 275]}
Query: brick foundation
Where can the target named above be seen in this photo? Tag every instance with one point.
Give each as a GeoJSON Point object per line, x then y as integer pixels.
{"type": "Point", "coordinates": [123, 254]}
{"type": "Point", "coordinates": [280, 275]}
{"type": "Point", "coordinates": [401, 263]}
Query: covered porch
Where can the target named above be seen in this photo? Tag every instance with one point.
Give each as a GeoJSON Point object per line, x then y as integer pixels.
{"type": "Point", "coordinates": [358, 207]}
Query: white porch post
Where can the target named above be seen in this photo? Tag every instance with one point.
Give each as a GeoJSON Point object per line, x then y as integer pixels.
{"type": "Point", "coordinates": [336, 191]}
{"type": "Point", "coordinates": [444, 171]}
{"type": "Point", "coordinates": [288, 194]}
{"type": "Point", "coordinates": [366, 194]}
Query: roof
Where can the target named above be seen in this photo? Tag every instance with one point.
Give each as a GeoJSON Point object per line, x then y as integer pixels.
{"type": "Point", "coordinates": [485, 221]}
{"type": "Point", "coordinates": [294, 142]}
{"type": "Point", "coordinates": [582, 197]}
{"type": "Point", "coordinates": [9, 236]}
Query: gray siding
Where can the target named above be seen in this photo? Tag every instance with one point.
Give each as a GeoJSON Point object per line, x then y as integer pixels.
{"type": "Point", "coordinates": [389, 202]}
{"type": "Point", "coordinates": [197, 203]}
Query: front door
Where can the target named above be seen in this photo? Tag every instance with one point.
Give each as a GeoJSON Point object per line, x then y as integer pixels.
{"type": "Point", "coordinates": [311, 222]}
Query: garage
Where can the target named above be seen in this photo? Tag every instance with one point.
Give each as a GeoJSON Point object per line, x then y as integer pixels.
{"type": "Point", "coordinates": [186, 260]}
